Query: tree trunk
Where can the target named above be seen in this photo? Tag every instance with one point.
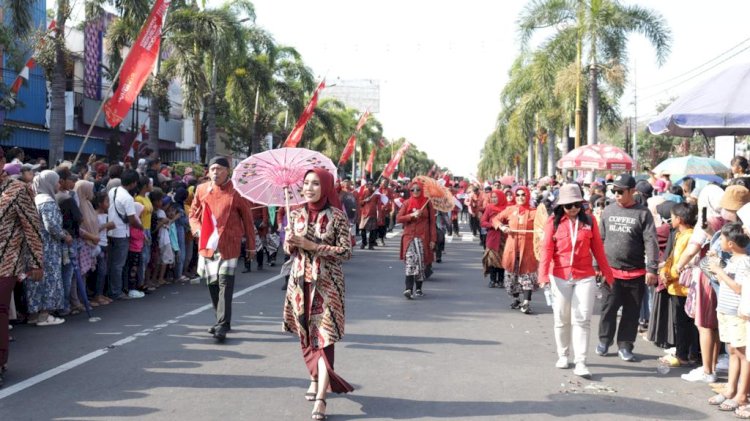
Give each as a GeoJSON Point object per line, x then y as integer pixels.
{"type": "Point", "coordinates": [530, 159]}
{"type": "Point", "coordinates": [153, 126]}
{"type": "Point", "coordinates": [539, 157]}
{"type": "Point", "coordinates": [211, 116]}
{"type": "Point", "coordinates": [57, 92]}
{"type": "Point", "coordinates": [593, 106]}
{"type": "Point", "coordinates": [551, 154]}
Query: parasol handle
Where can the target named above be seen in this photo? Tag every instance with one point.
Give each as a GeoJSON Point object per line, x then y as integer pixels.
{"type": "Point", "coordinates": [286, 198]}
{"type": "Point", "coordinates": [425, 203]}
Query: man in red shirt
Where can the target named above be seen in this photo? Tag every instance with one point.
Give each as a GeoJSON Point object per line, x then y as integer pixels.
{"type": "Point", "coordinates": [219, 218]}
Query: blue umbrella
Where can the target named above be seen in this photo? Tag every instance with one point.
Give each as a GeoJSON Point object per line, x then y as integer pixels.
{"type": "Point", "coordinates": [686, 165]}
{"type": "Point", "coordinates": [718, 107]}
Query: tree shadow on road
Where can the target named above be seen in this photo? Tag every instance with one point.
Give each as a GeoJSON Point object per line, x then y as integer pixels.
{"type": "Point", "coordinates": [578, 405]}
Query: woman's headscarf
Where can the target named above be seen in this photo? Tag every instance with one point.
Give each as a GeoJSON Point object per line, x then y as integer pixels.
{"type": "Point", "coordinates": [328, 194]}
{"type": "Point", "coordinates": [45, 185]}
{"type": "Point", "coordinates": [416, 203]}
{"type": "Point", "coordinates": [180, 195]}
{"type": "Point", "coordinates": [85, 191]}
{"type": "Point", "coordinates": [527, 205]}
{"type": "Point", "coordinates": [502, 202]}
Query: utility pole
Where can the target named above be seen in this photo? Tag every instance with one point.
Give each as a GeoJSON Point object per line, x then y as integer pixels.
{"type": "Point", "coordinates": [635, 118]}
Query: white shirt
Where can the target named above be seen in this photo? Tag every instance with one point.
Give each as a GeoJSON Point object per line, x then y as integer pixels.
{"type": "Point", "coordinates": [103, 219]}
{"type": "Point", "coordinates": [125, 205]}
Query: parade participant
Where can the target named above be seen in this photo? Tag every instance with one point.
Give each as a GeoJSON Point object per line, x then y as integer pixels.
{"type": "Point", "coordinates": [519, 261]}
{"type": "Point", "coordinates": [571, 238]}
{"type": "Point", "coordinates": [475, 210]}
{"type": "Point", "coordinates": [493, 253]}
{"type": "Point", "coordinates": [417, 240]}
{"type": "Point", "coordinates": [443, 222]}
{"type": "Point", "coordinates": [318, 240]}
{"type": "Point", "coordinates": [368, 222]}
{"type": "Point", "coordinates": [629, 235]}
{"type": "Point", "coordinates": [483, 230]}
{"type": "Point", "coordinates": [219, 218]}
{"type": "Point", "coordinates": [261, 221]}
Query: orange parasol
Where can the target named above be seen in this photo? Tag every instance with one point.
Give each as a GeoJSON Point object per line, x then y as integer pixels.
{"type": "Point", "coordinates": [440, 196]}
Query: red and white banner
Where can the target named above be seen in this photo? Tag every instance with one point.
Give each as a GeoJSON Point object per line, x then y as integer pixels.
{"type": "Point", "coordinates": [362, 120]}
{"type": "Point", "coordinates": [391, 167]}
{"type": "Point", "coordinates": [30, 63]}
{"type": "Point", "coordinates": [348, 150]}
{"type": "Point", "coordinates": [137, 66]}
{"type": "Point", "coordinates": [296, 134]}
{"type": "Point", "coordinates": [370, 161]}
{"type": "Point", "coordinates": [135, 145]}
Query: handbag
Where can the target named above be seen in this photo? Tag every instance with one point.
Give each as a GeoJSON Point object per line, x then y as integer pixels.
{"type": "Point", "coordinates": [692, 295]}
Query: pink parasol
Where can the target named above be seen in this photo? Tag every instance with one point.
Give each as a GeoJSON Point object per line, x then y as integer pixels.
{"type": "Point", "coordinates": [265, 177]}
{"type": "Point", "coordinates": [596, 157]}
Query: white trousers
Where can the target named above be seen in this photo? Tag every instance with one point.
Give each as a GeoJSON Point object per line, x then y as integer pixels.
{"type": "Point", "coordinates": [572, 307]}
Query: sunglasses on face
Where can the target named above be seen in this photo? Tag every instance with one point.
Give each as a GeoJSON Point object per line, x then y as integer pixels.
{"type": "Point", "coordinates": [617, 191]}
{"type": "Point", "coordinates": [416, 190]}
{"type": "Point", "coordinates": [520, 194]}
{"type": "Point", "coordinates": [572, 205]}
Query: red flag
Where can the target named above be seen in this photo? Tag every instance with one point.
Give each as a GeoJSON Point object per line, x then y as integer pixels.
{"type": "Point", "coordinates": [370, 161]}
{"type": "Point", "coordinates": [348, 150]}
{"type": "Point", "coordinates": [362, 120]}
{"type": "Point", "coordinates": [296, 134]}
{"type": "Point", "coordinates": [137, 66]}
{"type": "Point", "coordinates": [30, 64]}
{"type": "Point", "coordinates": [135, 145]}
{"type": "Point", "coordinates": [391, 167]}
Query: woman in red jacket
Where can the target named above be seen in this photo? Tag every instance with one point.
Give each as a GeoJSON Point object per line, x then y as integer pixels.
{"type": "Point", "coordinates": [519, 261]}
{"type": "Point", "coordinates": [495, 241]}
{"type": "Point", "coordinates": [418, 239]}
{"type": "Point", "coordinates": [571, 237]}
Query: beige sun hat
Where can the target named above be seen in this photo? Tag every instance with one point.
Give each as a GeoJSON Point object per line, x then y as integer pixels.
{"type": "Point", "coordinates": [569, 193]}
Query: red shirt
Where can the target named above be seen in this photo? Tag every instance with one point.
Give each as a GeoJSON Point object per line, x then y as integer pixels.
{"type": "Point", "coordinates": [557, 248]}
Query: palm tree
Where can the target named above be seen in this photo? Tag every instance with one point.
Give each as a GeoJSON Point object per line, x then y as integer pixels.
{"type": "Point", "coordinates": [600, 28]}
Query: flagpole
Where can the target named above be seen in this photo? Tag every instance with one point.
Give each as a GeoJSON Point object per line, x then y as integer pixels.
{"type": "Point", "coordinates": [98, 112]}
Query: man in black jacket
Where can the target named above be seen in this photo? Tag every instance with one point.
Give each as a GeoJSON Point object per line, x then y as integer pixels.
{"type": "Point", "coordinates": [629, 235]}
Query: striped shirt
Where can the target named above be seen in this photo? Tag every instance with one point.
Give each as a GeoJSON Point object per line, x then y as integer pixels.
{"type": "Point", "coordinates": [729, 301]}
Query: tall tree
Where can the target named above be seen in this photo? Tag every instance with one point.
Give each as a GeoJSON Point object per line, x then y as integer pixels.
{"type": "Point", "coordinates": [601, 29]}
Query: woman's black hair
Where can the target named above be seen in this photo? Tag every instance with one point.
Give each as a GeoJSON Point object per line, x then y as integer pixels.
{"type": "Point", "coordinates": [687, 212]}
{"type": "Point", "coordinates": [559, 212]}
{"type": "Point", "coordinates": [677, 190]}
{"type": "Point", "coordinates": [99, 198]}
{"type": "Point", "coordinates": [741, 162]}
{"type": "Point", "coordinates": [688, 184]}
{"type": "Point", "coordinates": [735, 233]}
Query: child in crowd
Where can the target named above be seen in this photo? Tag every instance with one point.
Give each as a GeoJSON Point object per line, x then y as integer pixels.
{"type": "Point", "coordinates": [101, 204]}
{"type": "Point", "coordinates": [173, 215]}
{"type": "Point", "coordinates": [166, 254]}
{"type": "Point", "coordinates": [732, 328]}
{"type": "Point", "coordinates": [133, 265]}
{"type": "Point", "coordinates": [144, 188]}
{"type": "Point", "coordinates": [156, 196]}
{"type": "Point", "coordinates": [683, 219]}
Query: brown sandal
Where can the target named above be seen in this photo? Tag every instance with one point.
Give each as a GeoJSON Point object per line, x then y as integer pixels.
{"type": "Point", "coordinates": [317, 415]}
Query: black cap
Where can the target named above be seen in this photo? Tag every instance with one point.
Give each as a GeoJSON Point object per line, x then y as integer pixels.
{"type": "Point", "coordinates": [219, 160]}
{"type": "Point", "coordinates": [644, 187]}
{"type": "Point", "coordinates": [625, 181]}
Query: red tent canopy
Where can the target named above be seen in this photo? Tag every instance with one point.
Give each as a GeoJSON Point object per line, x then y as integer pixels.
{"type": "Point", "coordinates": [596, 157]}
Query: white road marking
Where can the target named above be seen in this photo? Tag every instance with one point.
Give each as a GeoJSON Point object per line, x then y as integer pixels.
{"type": "Point", "coordinates": [32, 381]}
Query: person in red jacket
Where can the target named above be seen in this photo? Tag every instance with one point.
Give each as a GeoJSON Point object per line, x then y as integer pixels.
{"type": "Point", "coordinates": [418, 239]}
{"type": "Point", "coordinates": [571, 237]}
{"type": "Point", "coordinates": [495, 241]}
{"type": "Point", "coordinates": [368, 217]}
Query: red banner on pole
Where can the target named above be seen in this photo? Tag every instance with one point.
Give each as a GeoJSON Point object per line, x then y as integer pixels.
{"type": "Point", "coordinates": [296, 134]}
{"type": "Point", "coordinates": [370, 161]}
{"type": "Point", "coordinates": [391, 167]}
{"type": "Point", "coordinates": [348, 150]}
{"type": "Point", "coordinates": [362, 120]}
{"type": "Point", "coordinates": [137, 66]}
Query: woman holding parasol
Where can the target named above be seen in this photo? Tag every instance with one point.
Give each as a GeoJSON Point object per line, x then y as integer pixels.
{"type": "Point", "coordinates": [519, 261]}
{"type": "Point", "coordinates": [318, 240]}
{"type": "Point", "coordinates": [418, 239]}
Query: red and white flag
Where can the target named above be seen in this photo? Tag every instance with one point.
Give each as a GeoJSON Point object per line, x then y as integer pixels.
{"type": "Point", "coordinates": [135, 145]}
{"type": "Point", "coordinates": [137, 66]}
{"type": "Point", "coordinates": [370, 161]}
{"type": "Point", "coordinates": [348, 150]}
{"type": "Point", "coordinates": [23, 75]}
{"type": "Point", "coordinates": [296, 134]}
{"type": "Point", "coordinates": [362, 120]}
{"type": "Point", "coordinates": [391, 167]}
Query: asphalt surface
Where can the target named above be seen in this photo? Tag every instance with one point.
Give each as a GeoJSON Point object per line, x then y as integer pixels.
{"type": "Point", "coordinates": [459, 353]}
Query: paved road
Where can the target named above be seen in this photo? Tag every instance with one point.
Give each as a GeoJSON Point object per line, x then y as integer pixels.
{"type": "Point", "coordinates": [459, 353]}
